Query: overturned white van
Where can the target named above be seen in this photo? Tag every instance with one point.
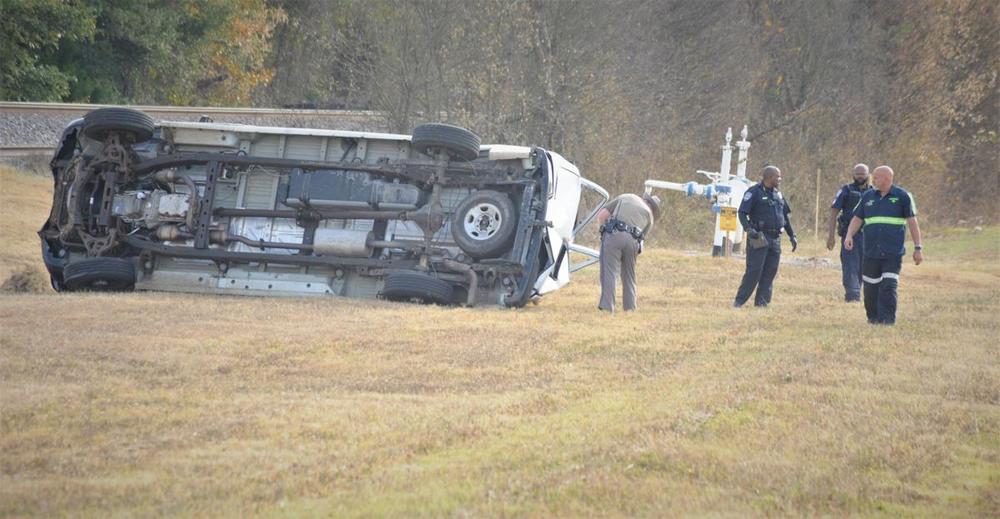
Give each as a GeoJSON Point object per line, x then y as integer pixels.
{"type": "Point", "coordinates": [235, 209]}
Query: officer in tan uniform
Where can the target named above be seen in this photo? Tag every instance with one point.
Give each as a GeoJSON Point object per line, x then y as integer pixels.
{"type": "Point", "coordinates": [625, 222]}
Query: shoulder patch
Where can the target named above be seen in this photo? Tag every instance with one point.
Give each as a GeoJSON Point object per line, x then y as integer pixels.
{"type": "Point", "coordinates": [747, 196]}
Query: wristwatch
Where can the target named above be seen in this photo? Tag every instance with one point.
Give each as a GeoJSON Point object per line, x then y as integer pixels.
{"type": "Point", "coordinates": [918, 247]}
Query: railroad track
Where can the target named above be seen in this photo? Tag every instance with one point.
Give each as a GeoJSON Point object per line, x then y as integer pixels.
{"type": "Point", "coordinates": [26, 151]}
{"type": "Point", "coordinates": [83, 108]}
{"type": "Point", "coordinates": [31, 129]}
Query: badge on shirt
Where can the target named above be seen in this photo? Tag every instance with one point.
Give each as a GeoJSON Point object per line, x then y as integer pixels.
{"type": "Point", "coordinates": [870, 203]}
{"type": "Point", "coordinates": [893, 199]}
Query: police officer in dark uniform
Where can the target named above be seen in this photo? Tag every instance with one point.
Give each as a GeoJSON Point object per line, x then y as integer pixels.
{"type": "Point", "coordinates": [886, 212]}
{"type": "Point", "coordinates": [841, 212]}
{"type": "Point", "coordinates": [763, 214]}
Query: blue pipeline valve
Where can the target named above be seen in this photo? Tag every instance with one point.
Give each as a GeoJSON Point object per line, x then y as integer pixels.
{"type": "Point", "coordinates": [709, 191]}
{"type": "Point", "coordinates": [716, 208]}
{"type": "Point", "coordinates": [690, 188]}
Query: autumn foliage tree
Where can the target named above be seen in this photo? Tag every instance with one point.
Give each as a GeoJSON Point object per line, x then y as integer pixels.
{"type": "Point", "coordinates": [142, 51]}
{"type": "Point", "coordinates": [229, 61]}
{"type": "Point", "coordinates": [628, 89]}
{"type": "Point", "coordinates": [31, 34]}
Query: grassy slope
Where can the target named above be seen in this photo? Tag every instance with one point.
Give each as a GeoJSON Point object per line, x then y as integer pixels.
{"type": "Point", "coordinates": [171, 404]}
{"type": "Point", "coordinates": [24, 205]}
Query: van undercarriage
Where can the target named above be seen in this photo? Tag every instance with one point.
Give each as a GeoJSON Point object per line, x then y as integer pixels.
{"type": "Point", "coordinates": [245, 210]}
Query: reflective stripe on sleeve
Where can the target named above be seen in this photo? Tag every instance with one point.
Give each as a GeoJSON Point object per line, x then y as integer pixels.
{"type": "Point", "coordinates": [890, 220]}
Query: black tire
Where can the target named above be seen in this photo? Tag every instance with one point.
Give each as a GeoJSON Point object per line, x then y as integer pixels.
{"type": "Point", "coordinates": [484, 224]}
{"type": "Point", "coordinates": [409, 286]}
{"type": "Point", "coordinates": [133, 125]}
{"type": "Point", "coordinates": [99, 275]}
{"type": "Point", "coordinates": [457, 142]}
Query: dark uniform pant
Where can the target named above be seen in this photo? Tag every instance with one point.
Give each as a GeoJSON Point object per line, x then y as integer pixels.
{"type": "Point", "coordinates": [762, 266]}
{"type": "Point", "coordinates": [618, 254]}
{"type": "Point", "coordinates": [881, 277]}
{"type": "Point", "coordinates": [850, 265]}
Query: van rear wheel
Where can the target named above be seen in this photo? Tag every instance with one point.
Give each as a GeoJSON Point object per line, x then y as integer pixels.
{"type": "Point", "coordinates": [484, 224]}
{"type": "Point", "coordinates": [417, 286]}
{"type": "Point", "coordinates": [457, 143]}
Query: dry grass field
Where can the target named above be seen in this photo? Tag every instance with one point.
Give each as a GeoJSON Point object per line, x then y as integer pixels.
{"type": "Point", "coordinates": [150, 404]}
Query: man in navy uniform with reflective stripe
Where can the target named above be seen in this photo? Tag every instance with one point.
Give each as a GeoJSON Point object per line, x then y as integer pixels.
{"type": "Point", "coordinates": [885, 212]}
{"type": "Point", "coordinates": [841, 213]}
{"type": "Point", "coordinates": [763, 214]}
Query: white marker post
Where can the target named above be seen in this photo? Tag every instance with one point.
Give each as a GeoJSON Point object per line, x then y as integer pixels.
{"type": "Point", "coordinates": [725, 191]}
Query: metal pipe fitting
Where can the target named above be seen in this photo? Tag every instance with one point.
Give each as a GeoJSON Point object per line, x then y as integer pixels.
{"type": "Point", "coordinates": [470, 275]}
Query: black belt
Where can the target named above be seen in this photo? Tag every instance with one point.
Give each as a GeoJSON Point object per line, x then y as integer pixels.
{"type": "Point", "coordinates": [613, 225]}
{"type": "Point", "coordinates": [772, 233]}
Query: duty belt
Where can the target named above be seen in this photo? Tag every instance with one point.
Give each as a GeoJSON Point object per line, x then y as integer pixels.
{"type": "Point", "coordinates": [614, 225]}
{"type": "Point", "coordinates": [773, 233]}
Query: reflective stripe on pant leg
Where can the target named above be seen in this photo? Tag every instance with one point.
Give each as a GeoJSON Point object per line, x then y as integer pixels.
{"type": "Point", "coordinates": [887, 297]}
{"type": "Point", "coordinates": [871, 268]}
{"type": "Point", "coordinates": [887, 300]}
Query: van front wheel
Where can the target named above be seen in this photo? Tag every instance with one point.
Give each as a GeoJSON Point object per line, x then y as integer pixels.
{"type": "Point", "coordinates": [99, 275]}
{"type": "Point", "coordinates": [133, 125]}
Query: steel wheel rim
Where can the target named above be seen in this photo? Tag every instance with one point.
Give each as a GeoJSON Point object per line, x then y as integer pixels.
{"type": "Point", "coordinates": [482, 221]}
